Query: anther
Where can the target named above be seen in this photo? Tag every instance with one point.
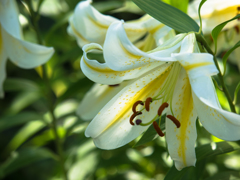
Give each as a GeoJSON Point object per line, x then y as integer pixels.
{"type": "Point", "coordinates": [237, 29]}
{"type": "Point", "coordinates": [157, 128]}
{"type": "Point", "coordinates": [147, 103]}
{"type": "Point", "coordinates": [174, 120]}
{"type": "Point", "coordinates": [135, 106]}
{"type": "Point", "coordinates": [161, 108]}
{"type": "Point", "coordinates": [138, 121]}
{"type": "Point", "coordinates": [133, 116]}
{"type": "Point", "coordinates": [114, 85]}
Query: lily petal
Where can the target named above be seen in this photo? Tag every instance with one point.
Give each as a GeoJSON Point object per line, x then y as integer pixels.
{"type": "Point", "coordinates": [25, 54]}
{"type": "Point", "coordinates": [102, 74]}
{"type": "Point", "coordinates": [111, 128]}
{"type": "Point", "coordinates": [181, 141]}
{"type": "Point", "coordinates": [9, 18]}
{"type": "Point", "coordinates": [126, 56]}
{"type": "Point", "coordinates": [96, 98]}
{"type": "Point", "coordinates": [3, 60]}
{"type": "Point", "coordinates": [222, 124]}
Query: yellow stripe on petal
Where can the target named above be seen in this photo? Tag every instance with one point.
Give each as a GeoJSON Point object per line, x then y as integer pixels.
{"type": "Point", "coordinates": [196, 65]}
{"type": "Point", "coordinates": [184, 118]}
{"type": "Point", "coordinates": [216, 13]}
{"type": "Point", "coordinates": [76, 32]}
{"type": "Point", "coordinates": [148, 90]}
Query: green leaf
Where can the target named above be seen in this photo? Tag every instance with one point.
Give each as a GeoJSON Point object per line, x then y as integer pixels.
{"type": "Point", "coordinates": [182, 5]}
{"type": "Point", "coordinates": [236, 93]}
{"type": "Point", "coordinates": [168, 15]}
{"type": "Point", "coordinates": [228, 175]}
{"type": "Point", "coordinates": [199, 14]}
{"type": "Point", "coordinates": [218, 29]}
{"type": "Point", "coordinates": [24, 133]}
{"type": "Point", "coordinates": [225, 57]}
{"type": "Point", "coordinates": [14, 120]}
{"type": "Point", "coordinates": [16, 84]}
{"type": "Point", "coordinates": [202, 153]}
{"type": "Point", "coordinates": [150, 134]}
{"type": "Point", "coordinates": [23, 158]}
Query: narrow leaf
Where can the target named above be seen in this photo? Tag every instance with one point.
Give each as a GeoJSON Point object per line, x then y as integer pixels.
{"type": "Point", "coordinates": [199, 14]}
{"type": "Point", "coordinates": [218, 29]}
{"type": "Point", "coordinates": [225, 57]}
{"type": "Point", "coordinates": [168, 15]}
{"type": "Point", "coordinates": [236, 93]}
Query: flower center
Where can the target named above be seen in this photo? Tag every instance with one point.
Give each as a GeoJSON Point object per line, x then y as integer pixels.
{"type": "Point", "coordinates": [165, 95]}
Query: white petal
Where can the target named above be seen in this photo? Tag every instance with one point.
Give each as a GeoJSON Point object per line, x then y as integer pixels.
{"type": "Point", "coordinates": [96, 98]}
{"type": "Point", "coordinates": [181, 141]}
{"type": "Point", "coordinates": [222, 124]}
{"type": "Point", "coordinates": [89, 23]}
{"type": "Point", "coordinates": [3, 60]}
{"type": "Point", "coordinates": [197, 64]}
{"type": "Point", "coordinates": [121, 54]}
{"type": "Point", "coordinates": [102, 74]}
{"type": "Point", "coordinates": [111, 128]}
{"type": "Point", "coordinates": [9, 18]}
{"type": "Point", "coordinates": [25, 54]}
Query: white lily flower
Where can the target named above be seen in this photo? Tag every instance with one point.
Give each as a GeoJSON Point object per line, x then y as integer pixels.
{"type": "Point", "coordinates": [23, 54]}
{"type": "Point", "coordinates": [88, 25]}
{"type": "Point", "coordinates": [215, 12]}
{"type": "Point", "coordinates": [175, 74]}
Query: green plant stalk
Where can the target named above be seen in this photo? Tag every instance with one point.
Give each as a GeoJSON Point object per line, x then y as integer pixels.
{"type": "Point", "coordinates": [58, 142]}
{"type": "Point", "coordinates": [201, 39]}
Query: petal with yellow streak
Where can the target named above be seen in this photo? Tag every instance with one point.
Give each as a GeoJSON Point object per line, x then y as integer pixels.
{"type": "Point", "coordinates": [181, 141]}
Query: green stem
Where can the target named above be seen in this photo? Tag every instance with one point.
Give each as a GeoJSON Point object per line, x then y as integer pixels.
{"type": "Point", "coordinates": [58, 142]}
{"type": "Point", "coordinates": [201, 39]}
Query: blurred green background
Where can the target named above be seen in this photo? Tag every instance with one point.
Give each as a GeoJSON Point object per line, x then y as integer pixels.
{"type": "Point", "coordinates": [27, 142]}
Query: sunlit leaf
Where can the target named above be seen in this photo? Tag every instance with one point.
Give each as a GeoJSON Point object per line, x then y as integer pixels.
{"type": "Point", "coordinates": [14, 120]}
{"type": "Point", "coordinates": [182, 5]}
{"type": "Point", "coordinates": [236, 93]}
{"type": "Point", "coordinates": [218, 29]}
{"type": "Point", "coordinates": [168, 15]}
{"type": "Point", "coordinates": [225, 57]}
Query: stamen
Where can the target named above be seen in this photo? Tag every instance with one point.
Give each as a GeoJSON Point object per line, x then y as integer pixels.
{"type": "Point", "coordinates": [133, 116]}
{"type": "Point", "coordinates": [147, 103]}
{"type": "Point", "coordinates": [138, 121]}
{"type": "Point", "coordinates": [174, 120]}
{"type": "Point", "coordinates": [162, 107]}
{"type": "Point", "coordinates": [135, 106]}
{"type": "Point", "coordinates": [157, 128]}
{"type": "Point", "coordinates": [114, 85]}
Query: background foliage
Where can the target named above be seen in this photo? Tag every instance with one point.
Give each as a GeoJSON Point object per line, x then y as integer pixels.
{"type": "Point", "coordinates": [27, 140]}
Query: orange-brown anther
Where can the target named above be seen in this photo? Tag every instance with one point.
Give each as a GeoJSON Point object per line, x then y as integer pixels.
{"type": "Point", "coordinates": [174, 120]}
{"type": "Point", "coordinates": [133, 116]}
{"type": "Point", "coordinates": [237, 29]}
{"type": "Point", "coordinates": [114, 85]}
{"type": "Point", "coordinates": [135, 106]}
{"type": "Point", "coordinates": [157, 128]}
{"type": "Point", "coordinates": [147, 103]}
{"type": "Point", "coordinates": [162, 107]}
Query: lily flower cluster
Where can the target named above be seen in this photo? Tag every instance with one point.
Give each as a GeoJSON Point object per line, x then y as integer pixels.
{"type": "Point", "coordinates": [24, 54]}
{"type": "Point", "coordinates": [174, 78]}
